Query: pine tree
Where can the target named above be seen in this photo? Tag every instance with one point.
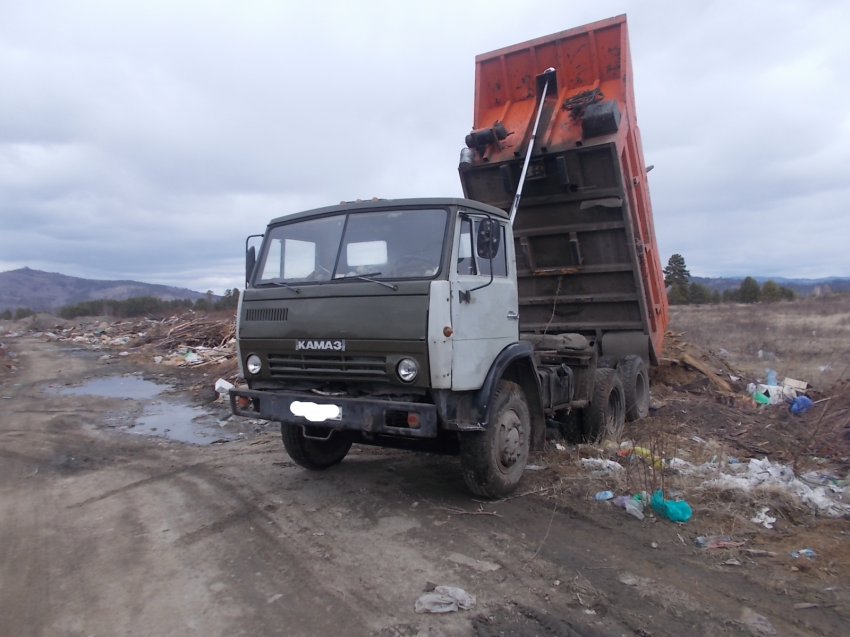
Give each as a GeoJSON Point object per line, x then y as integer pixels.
{"type": "Point", "coordinates": [749, 291]}
{"type": "Point", "coordinates": [676, 273]}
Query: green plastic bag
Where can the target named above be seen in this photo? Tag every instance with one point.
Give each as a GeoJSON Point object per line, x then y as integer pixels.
{"type": "Point", "coordinates": [675, 510]}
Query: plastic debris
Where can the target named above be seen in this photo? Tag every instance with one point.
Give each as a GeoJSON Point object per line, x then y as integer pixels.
{"type": "Point", "coordinates": [763, 518]}
{"type": "Point", "coordinates": [534, 467]}
{"type": "Point", "coordinates": [761, 474]}
{"type": "Point", "coordinates": [601, 465]}
{"type": "Point", "coordinates": [801, 405]}
{"type": "Point", "coordinates": [643, 452]}
{"type": "Point", "coordinates": [673, 510]}
{"type": "Point", "coordinates": [804, 553]}
{"type": "Point", "coordinates": [444, 599]}
{"type": "Point", "coordinates": [716, 542]}
{"type": "Point", "coordinates": [771, 376]}
{"type": "Point", "coordinates": [634, 507]}
{"type": "Point", "coordinates": [603, 495]}
{"type": "Point", "coordinates": [222, 387]}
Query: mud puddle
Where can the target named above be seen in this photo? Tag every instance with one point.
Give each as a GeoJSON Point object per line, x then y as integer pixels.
{"type": "Point", "coordinates": [164, 418]}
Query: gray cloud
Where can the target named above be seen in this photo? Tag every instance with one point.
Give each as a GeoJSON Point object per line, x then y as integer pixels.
{"type": "Point", "coordinates": [145, 142]}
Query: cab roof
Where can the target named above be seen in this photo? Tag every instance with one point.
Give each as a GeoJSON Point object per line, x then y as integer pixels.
{"type": "Point", "coordinates": [381, 204]}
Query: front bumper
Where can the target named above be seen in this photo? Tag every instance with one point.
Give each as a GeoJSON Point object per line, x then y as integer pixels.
{"type": "Point", "coordinates": [357, 414]}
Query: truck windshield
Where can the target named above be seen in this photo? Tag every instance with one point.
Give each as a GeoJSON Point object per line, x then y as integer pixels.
{"type": "Point", "coordinates": [387, 244]}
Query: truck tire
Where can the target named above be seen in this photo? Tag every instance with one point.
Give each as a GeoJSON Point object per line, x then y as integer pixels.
{"type": "Point", "coordinates": [606, 415]}
{"type": "Point", "coordinates": [493, 460]}
{"type": "Point", "coordinates": [636, 387]}
{"type": "Point", "coordinates": [313, 454]}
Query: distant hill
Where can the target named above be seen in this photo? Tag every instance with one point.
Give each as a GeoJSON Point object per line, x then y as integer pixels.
{"type": "Point", "coordinates": [47, 291]}
{"type": "Point", "coordinates": [803, 287]}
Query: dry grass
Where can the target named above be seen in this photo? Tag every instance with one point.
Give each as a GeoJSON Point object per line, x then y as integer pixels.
{"type": "Point", "coordinates": [807, 339]}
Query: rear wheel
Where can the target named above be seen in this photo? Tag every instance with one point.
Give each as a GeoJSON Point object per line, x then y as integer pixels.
{"type": "Point", "coordinates": [493, 460]}
{"type": "Point", "coordinates": [636, 387]}
{"type": "Point", "coordinates": [310, 453]}
{"type": "Point", "coordinates": [606, 415]}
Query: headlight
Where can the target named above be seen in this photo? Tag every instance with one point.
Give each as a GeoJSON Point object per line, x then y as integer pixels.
{"type": "Point", "coordinates": [253, 364]}
{"type": "Point", "coordinates": [407, 369]}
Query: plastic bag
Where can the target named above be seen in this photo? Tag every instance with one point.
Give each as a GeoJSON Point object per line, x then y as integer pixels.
{"type": "Point", "coordinates": [801, 405]}
{"type": "Point", "coordinates": [674, 510]}
{"type": "Point", "coordinates": [444, 599]}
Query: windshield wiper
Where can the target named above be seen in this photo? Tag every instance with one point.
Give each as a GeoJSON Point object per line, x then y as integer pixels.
{"type": "Point", "coordinates": [366, 277]}
{"type": "Point", "coordinates": [283, 285]}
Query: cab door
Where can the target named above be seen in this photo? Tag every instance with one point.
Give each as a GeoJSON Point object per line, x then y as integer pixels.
{"type": "Point", "coordinates": [485, 316]}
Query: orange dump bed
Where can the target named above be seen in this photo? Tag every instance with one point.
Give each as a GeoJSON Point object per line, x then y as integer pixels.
{"type": "Point", "coordinates": [587, 257]}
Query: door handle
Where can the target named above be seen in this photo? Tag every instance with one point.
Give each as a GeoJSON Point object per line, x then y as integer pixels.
{"type": "Point", "coordinates": [513, 315]}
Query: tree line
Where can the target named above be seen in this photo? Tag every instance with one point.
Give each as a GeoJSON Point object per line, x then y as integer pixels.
{"type": "Point", "coordinates": [682, 291]}
{"type": "Point", "coordinates": [135, 306]}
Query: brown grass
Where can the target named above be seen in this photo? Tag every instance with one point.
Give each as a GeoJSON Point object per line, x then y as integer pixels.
{"type": "Point", "coordinates": [807, 339]}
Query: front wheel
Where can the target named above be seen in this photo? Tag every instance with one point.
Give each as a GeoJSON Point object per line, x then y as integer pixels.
{"type": "Point", "coordinates": [311, 453]}
{"type": "Point", "coordinates": [493, 460]}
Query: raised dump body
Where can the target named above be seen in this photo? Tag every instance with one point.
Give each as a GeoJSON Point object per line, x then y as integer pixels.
{"type": "Point", "coordinates": [587, 258]}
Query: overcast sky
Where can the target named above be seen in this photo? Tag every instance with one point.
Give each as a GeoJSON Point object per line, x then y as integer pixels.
{"type": "Point", "coordinates": [144, 140]}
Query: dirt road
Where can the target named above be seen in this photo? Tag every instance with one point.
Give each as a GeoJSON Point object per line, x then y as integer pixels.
{"type": "Point", "coordinates": [105, 533]}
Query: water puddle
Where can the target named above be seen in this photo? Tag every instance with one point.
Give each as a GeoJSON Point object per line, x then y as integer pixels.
{"type": "Point", "coordinates": [133, 387]}
{"type": "Point", "coordinates": [185, 423]}
{"type": "Point", "coordinates": [163, 418]}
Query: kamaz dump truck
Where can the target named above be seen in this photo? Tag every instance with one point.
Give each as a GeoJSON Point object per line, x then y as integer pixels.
{"type": "Point", "coordinates": [465, 326]}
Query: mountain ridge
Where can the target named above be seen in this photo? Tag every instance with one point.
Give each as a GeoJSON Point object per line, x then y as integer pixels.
{"type": "Point", "coordinates": [48, 291]}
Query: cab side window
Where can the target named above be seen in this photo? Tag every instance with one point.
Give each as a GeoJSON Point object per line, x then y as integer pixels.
{"type": "Point", "coordinates": [466, 254]}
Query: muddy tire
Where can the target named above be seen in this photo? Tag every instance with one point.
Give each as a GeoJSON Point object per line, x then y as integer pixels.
{"type": "Point", "coordinates": [636, 387]}
{"type": "Point", "coordinates": [313, 454]}
{"type": "Point", "coordinates": [493, 460]}
{"type": "Point", "coordinates": [605, 418]}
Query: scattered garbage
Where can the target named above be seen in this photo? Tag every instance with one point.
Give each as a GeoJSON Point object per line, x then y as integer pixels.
{"type": "Point", "coordinates": [673, 510]}
{"type": "Point", "coordinates": [763, 518]}
{"type": "Point", "coordinates": [763, 474]}
{"type": "Point", "coordinates": [631, 452]}
{"type": "Point", "coordinates": [716, 542]}
{"type": "Point", "coordinates": [444, 599]}
{"type": "Point", "coordinates": [534, 467]}
{"type": "Point", "coordinates": [603, 495]}
{"type": "Point", "coordinates": [801, 405]}
{"type": "Point", "coordinates": [601, 465]}
{"type": "Point", "coordinates": [222, 387]}
{"type": "Point", "coordinates": [775, 393]}
{"type": "Point", "coordinates": [804, 553]}
{"type": "Point", "coordinates": [187, 338]}
{"type": "Point", "coordinates": [633, 505]}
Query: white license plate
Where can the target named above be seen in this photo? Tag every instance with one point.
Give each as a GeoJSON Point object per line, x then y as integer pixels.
{"type": "Point", "coordinates": [314, 412]}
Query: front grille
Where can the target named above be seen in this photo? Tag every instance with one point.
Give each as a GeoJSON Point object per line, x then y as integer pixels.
{"type": "Point", "coordinates": [327, 366]}
{"type": "Point", "coordinates": [267, 314]}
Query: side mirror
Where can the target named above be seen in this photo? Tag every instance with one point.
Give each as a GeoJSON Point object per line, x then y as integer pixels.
{"type": "Point", "coordinates": [488, 238]}
{"type": "Point", "coordinates": [250, 262]}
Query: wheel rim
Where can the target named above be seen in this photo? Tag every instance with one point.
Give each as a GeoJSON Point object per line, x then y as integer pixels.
{"type": "Point", "coordinates": [510, 439]}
